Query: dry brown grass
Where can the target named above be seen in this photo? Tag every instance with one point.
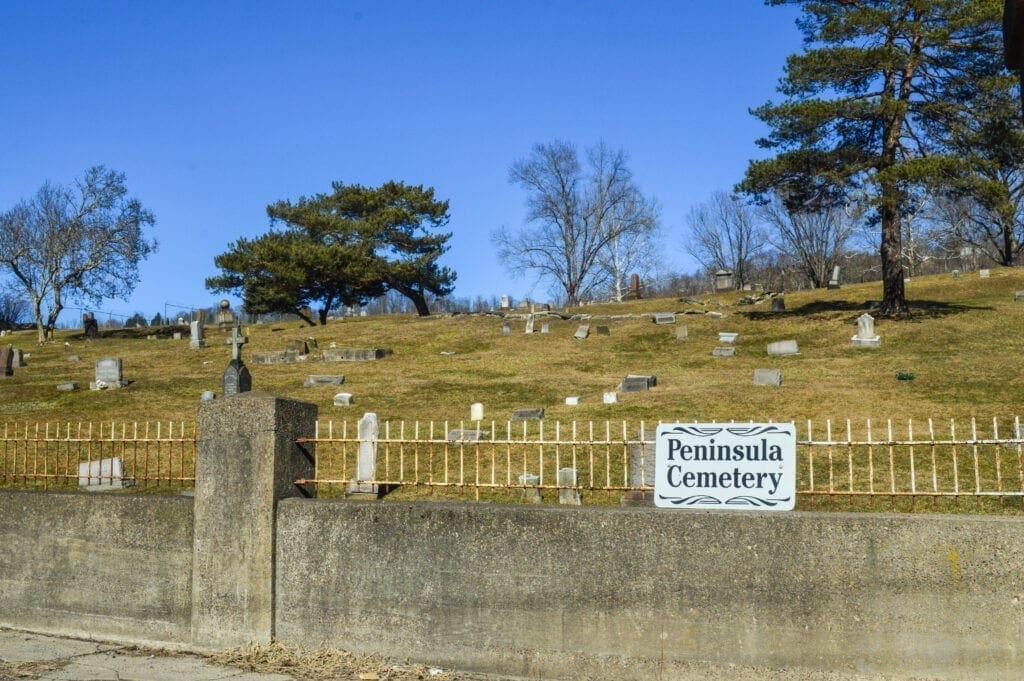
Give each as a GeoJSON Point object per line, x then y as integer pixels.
{"type": "Point", "coordinates": [963, 344]}
{"type": "Point", "coordinates": [323, 663]}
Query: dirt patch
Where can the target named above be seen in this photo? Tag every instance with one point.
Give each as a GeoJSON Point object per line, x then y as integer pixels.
{"type": "Point", "coordinates": [30, 670]}
{"type": "Point", "coordinates": [324, 663]}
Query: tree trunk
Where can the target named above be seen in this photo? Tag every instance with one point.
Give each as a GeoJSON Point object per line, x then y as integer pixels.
{"type": "Point", "coordinates": [304, 317]}
{"type": "Point", "coordinates": [323, 316]}
{"type": "Point", "coordinates": [893, 292]}
{"type": "Point", "coordinates": [37, 309]}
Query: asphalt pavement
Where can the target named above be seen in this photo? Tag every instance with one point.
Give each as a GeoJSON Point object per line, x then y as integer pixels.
{"type": "Point", "coordinates": [25, 656]}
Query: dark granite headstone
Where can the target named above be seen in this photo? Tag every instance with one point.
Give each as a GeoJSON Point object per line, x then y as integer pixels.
{"type": "Point", "coordinates": [90, 327]}
{"type": "Point", "coordinates": [6, 361]}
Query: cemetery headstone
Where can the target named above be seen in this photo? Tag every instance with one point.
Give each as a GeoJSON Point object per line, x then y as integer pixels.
{"type": "Point", "coordinates": [299, 346]}
{"type": "Point", "coordinates": [225, 317]}
{"type": "Point", "coordinates": [727, 336]}
{"type": "Point", "coordinates": [611, 398]}
{"type": "Point", "coordinates": [74, 358]}
{"type": "Point", "coordinates": [355, 354]}
{"type": "Point", "coordinates": [524, 305]}
{"type": "Point", "coordinates": [723, 280]}
{"type": "Point", "coordinates": [466, 435]}
{"type": "Point", "coordinates": [778, 304]}
{"type": "Point", "coordinates": [582, 332]}
{"type": "Point", "coordinates": [506, 329]}
{"type": "Point", "coordinates": [866, 336]}
{"type": "Point", "coordinates": [102, 474]}
{"type": "Point", "coordinates": [634, 287]}
{"type": "Point", "coordinates": [196, 339]}
{"type": "Point", "coordinates": [506, 302]}
{"type": "Point", "coordinates": [634, 383]}
{"type": "Point", "coordinates": [682, 333]}
{"type": "Point", "coordinates": [275, 357]}
{"type": "Point", "coordinates": [90, 327]}
{"type": "Point", "coordinates": [603, 331]}
{"type": "Point", "coordinates": [834, 281]}
{"type": "Point", "coordinates": [767, 377]}
{"type": "Point", "coordinates": [6, 361]}
{"type": "Point", "coordinates": [323, 379]}
{"type": "Point", "coordinates": [664, 318]}
{"type": "Point", "coordinates": [207, 396]}
{"type": "Point", "coordinates": [529, 324]}
{"type": "Point", "coordinates": [641, 474]}
{"type": "Point", "coordinates": [1018, 297]}
{"type": "Point", "coordinates": [366, 460]}
{"type": "Point", "coordinates": [724, 351]}
{"type": "Point", "coordinates": [236, 378]}
{"type": "Point", "coordinates": [531, 493]}
{"type": "Point", "coordinates": [568, 492]}
{"type": "Point", "coordinates": [573, 401]}
{"type": "Point", "coordinates": [17, 358]}
{"type": "Point", "coordinates": [532, 414]}
{"type": "Point", "coordinates": [108, 374]}
{"type": "Point", "coordinates": [545, 328]}
{"type": "Point", "coordinates": [70, 386]}
{"type": "Point", "coordinates": [786, 347]}
{"type": "Point", "coordinates": [984, 274]}
{"type": "Point", "coordinates": [956, 274]}
{"type": "Point", "coordinates": [177, 335]}
{"type": "Point", "coordinates": [476, 411]}
{"type": "Point", "coordinates": [343, 400]}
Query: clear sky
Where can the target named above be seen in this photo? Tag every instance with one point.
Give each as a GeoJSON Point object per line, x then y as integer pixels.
{"type": "Point", "coordinates": [215, 109]}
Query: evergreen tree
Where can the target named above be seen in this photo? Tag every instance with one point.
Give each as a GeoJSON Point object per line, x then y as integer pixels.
{"type": "Point", "coordinates": [866, 110]}
{"type": "Point", "coordinates": [342, 248]}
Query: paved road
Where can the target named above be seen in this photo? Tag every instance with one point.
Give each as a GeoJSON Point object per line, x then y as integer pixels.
{"type": "Point", "coordinates": [26, 656]}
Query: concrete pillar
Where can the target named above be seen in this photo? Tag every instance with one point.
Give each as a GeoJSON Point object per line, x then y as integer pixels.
{"type": "Point", "coordinates": [247, 459]}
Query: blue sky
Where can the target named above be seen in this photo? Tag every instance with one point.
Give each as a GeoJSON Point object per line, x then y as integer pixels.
{"type": "Point", "coordinates": [215, 109]}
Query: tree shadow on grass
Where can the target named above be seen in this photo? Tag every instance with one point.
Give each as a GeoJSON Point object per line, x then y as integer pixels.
{"type": "Point", "coordinates": [919, 309]}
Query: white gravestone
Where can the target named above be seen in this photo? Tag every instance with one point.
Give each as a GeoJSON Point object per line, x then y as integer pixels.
{"type": "Point", "coordinates": [568, 494]}
{"type": "Point", "coordinates": [529, 324]}
{"type": "Point", "coordinates": [866, 336]}
{"type": "Point", "coordinates": [366, 461]}
{"type": "Point", "coordinates": [102, 474]}
{"type": "Point", "coordinates": [196, 340]}
{"type": "Point", "coordinates": [476, 411]}
{"type": "Point", "coordinates": [786, 347]}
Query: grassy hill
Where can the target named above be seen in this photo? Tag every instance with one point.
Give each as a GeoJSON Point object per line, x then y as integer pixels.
{"type": "Point", "coordinates": [964, 345]}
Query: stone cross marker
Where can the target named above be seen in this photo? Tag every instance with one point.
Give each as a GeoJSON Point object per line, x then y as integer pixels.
{"type": "Point", "coordinates": [237, 378]}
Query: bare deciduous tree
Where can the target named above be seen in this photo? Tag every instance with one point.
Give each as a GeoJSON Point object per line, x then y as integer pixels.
{"type": "Point", "coordinates": [577, 217]}
{"type": "Point", "coordinates": [725, 235]}
{"type": "Point", "coordinates": [814, 238]}
{"type": "Point", "coordinates": [70, 243]}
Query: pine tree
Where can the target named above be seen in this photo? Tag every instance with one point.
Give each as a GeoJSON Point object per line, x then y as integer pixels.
{"type": "Point", "coordinates": [866, 113]}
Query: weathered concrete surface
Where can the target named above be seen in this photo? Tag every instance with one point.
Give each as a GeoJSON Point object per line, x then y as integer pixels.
{"type": "Point", "coordinates": [109, 565]}
{"type": "Point", "coordinates": [644, 593]}
{"type": "Point", "coordinates": [247, 459]}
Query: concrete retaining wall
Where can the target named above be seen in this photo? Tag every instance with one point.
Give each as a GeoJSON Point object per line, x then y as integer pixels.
{"type": "Point", "coordinates": [113, 566]}
{"type": "Point", "coordinates": [519, 590]}
{"type": "Point", "coordinates": [574, 593]}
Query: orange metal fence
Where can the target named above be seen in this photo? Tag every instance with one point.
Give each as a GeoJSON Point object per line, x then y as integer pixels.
{"type": "Point", "coordinates": [149, 456]}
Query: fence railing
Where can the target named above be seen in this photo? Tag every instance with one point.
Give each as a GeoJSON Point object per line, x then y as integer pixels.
{"type": "Point", "coordinates": [911, 459]}
{"type": "Point", "coordinates": [148, 455]}
{"type": "Point", "coordinates": [973, 459]}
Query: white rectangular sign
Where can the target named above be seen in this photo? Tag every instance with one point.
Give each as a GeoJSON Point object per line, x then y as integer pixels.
{"type": "Point", "coordinates": [735, 466]}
